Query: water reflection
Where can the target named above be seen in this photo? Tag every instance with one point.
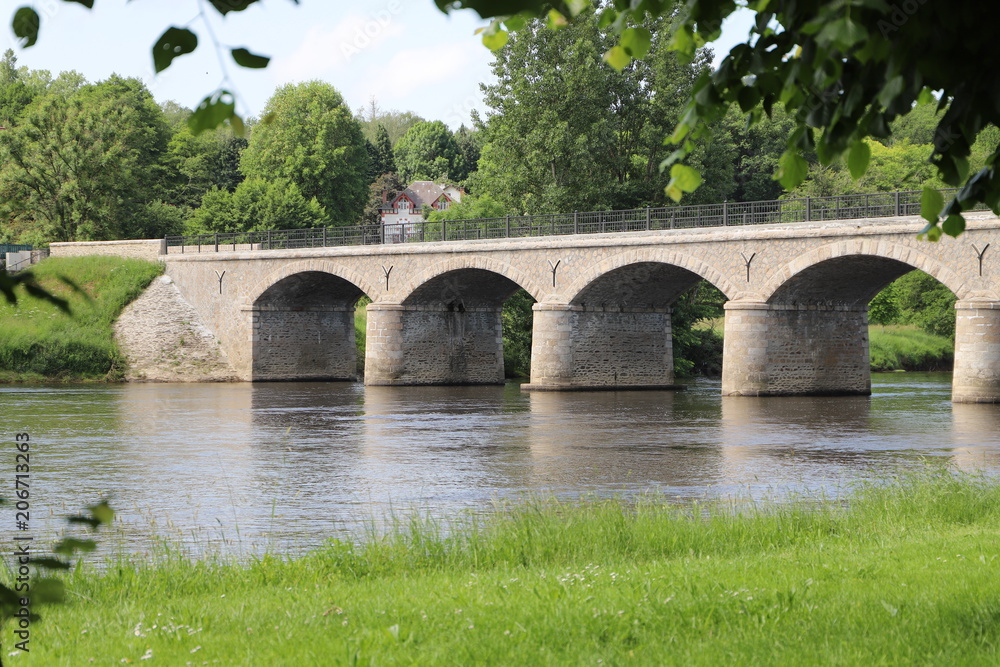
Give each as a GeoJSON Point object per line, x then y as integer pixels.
{"type": "Point", "coordinates": [284, 466]}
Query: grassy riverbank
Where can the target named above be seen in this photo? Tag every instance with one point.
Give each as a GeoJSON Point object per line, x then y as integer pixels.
{"type": "Point", "coordinates": [907, 348]}
{"type": "Point", "coordinates": [40, 343]}
{"type": "Point", "coordinates": [904, 573]}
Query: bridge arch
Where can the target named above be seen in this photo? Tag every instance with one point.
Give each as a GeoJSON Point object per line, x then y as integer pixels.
{"type": "Point", "coordinates": [808, 332]}
{"type": "Point", "coordinates": [676, 266]}
{"type": "Point", "coordinates": [302, 319]}
{"type": "Point", "coordinates": [318, 265]}
{"type": "Point", "coordinates": [822, 265]}
{"type": "Point", "coordinates": [476, 266]}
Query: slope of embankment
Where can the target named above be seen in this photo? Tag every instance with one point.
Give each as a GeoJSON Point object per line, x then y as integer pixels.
{"type": "Point", "coordinates": [125, 323]}
{"type": "Point", "coordinates": [38, 342]}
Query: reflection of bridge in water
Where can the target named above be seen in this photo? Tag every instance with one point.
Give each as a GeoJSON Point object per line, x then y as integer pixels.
{"type": "Point", "coordinates": [796, 319]}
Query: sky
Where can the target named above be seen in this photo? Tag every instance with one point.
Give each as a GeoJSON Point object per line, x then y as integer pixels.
{"type": "Point", "coordinates": [405, 54]}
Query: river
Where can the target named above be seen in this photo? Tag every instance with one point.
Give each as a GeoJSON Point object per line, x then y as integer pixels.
{"type": "Point", "coordinates": [237, 469]}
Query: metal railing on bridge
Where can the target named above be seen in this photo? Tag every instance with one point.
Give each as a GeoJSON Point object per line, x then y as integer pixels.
{"type": "Point", "coordinates": [807, 209]}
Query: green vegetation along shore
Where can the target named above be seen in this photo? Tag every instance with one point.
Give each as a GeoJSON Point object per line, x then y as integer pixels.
{"type": "Point", "coordinates": [40, 343]}
{"type": "Point", "coordinates": [907, 348]}
{"type": "Point", "coordinates": [900, 572]}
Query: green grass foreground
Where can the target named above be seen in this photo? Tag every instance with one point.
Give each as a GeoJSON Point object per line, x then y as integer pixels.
{"type": "Point", "coordinates": [38, 342]}
{"type": "Point", "coordinates": [907, 348]}
{"type": "Point", "coordinates": [902, 573]}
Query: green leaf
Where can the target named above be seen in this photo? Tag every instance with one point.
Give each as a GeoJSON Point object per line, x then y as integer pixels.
{"type": "Point", "coordinates": [172, 43]}
{"type": "Point", "coordinates": [926, 96]}
{"type": "Point", "coordinates": [857, 159]}
{"type": "Point", "coordinates": [792, 170]}
{"type": "Point", "coordinates": [842, 33]}
{"type": "Point", "coordinates": [931, 203]}
{"type": "Point", "coordinates": [70, 545]}
{"type": "Point", "coordinates": [934, 234]}
{"type": "Point", "coordinates": [48, 590]}
{"type": "Point", "coordinates": [226, 6]}
{"type": "Point", "coordinates": [682, 179]}
{"type": "Point", "coordinates": [953, 225]}
{"type": "Point", "coordinates": [213, 111]}
{"type": "Point", "coordinates": [892, 89]}
{"type": "Point", "coordinates": [556, 20]}
{"type": "Point", "coordinates": [617, 57]}
{"type": "Point", "coordinates": [51, 563]}
{"type": "Point", "coordinates": [636, 41]}
{"type": "Point", "coordinates": [495, 40]}
{"type": "Point", "coordinates": [244, 58]}
{"type": "Point", "coordinates": [25, 25]}
{"type": "Point", "coordinates": [514, 23]}
{"type": "Point", "coordinates": [89, 4]}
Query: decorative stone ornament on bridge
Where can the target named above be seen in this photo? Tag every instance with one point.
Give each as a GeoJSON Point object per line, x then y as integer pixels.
{"type": "Point", "coordinates": [796, 319]}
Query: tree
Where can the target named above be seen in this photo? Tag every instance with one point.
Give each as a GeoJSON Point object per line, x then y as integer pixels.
{"type": "Point", "coordinates": [843, 70]}
{"type": "Point", "coordinates": [84, 166]}
{"type": "Point", "coordinates": [428, 152]}
{"type": "Point", "coordinates": [396, 123]}
{"type": "Point", "coordinates": [564, 132]}
{"type": "Point", "coordinates": [385, 160]}
{"type": "Point", "coordinates": [469, 144]}
{"type": "Point", "coordinates": [15, 94]}
{"type": "Point", "coordinates": [257, 204]}
{"type": "Point", "coordinates": [314, 142]}
{"type": "Point", "coordinates": [197, 163]}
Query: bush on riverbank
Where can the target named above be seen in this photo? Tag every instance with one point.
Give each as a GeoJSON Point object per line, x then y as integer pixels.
{"type": "Point", "coordinates": [903, 572]}
{"type": "Point", "coordinates": [907, 348]}
{"type": "Point", "coordinates": [39, 342]}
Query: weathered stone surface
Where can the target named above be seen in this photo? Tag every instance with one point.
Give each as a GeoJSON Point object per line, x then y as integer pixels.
{"type": "Point", "coordinates": [163, 341]}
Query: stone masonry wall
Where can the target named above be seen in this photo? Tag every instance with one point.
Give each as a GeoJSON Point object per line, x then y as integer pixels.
{"type": "Point", "coordinates": [304, 345]}
{"type": "Point", "coordinates": [623, 348]}
{"type": "Point", "coordinates": [140, 249]}
{"type": "Point", "coordinates": [452, 347]}
{"type": "Point", "coordinates": [785, 351]}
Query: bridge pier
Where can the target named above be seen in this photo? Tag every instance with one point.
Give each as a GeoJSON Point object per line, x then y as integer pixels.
{"type": "Point", "coordinates": [433, 344]}
{"type": "Point", "coordinates": [580, 348]}
{"type": "Point", "coordinates": [976, 376]}
{"type": "Point", "coordinates": [795, 350]}
{"type": "Point", "coordinates": [303, 343]}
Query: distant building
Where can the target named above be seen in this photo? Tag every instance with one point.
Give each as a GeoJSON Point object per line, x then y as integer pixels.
{"type": "Point", "coordinates": [401, 214]}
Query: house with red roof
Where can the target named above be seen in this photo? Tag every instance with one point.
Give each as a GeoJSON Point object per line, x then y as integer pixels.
{"type": "Point", "coordinates": [401, 213]}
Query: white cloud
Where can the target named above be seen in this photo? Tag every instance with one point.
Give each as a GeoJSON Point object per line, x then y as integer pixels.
{"type": "Point", "coordinates": [326, 50]}
{"type": "Point", "coordinates": [418, 70]}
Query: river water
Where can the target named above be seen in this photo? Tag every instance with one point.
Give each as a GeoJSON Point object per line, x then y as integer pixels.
{"type": "Point", "coordinates": [237, 469]}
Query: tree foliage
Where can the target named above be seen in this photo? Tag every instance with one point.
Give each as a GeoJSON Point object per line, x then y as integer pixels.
{"type": "Point", "coordinates": [257, 204]}
{"type": "Point", "coordinates": [564, 132]}
{"type": "Point", "coordinates": [916, 299]}
{"type": "Point", "coordinates": [385, 187]}
{"type": "Point", "coordinates": [314, 142]}
{"type": "Point", "coordinates": [428, 152]}
{"type": "Point", "coordinates": [384, 161]}
{"type": "Point", "coordinates": [84, 166]}
{"type": "Point", "coordinates": [843, 71]}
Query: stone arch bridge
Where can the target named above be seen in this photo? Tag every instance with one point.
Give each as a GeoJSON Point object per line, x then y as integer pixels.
{"type": "Point", "coordinates": [796, 318]}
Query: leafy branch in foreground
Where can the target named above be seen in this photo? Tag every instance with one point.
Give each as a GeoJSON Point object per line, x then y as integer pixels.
{"type": "Point", "coordinates": [217, 107]}
{"type": "Point", "coordinates": [26, 280]}
{"type": "Point", "coordinates": [30, 586]}
{"type": "Point", "coordinates": [843, 69]}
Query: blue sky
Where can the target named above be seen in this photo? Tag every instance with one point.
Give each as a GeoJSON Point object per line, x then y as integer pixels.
{"type": "Point", "coordinates": [405, 53]}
